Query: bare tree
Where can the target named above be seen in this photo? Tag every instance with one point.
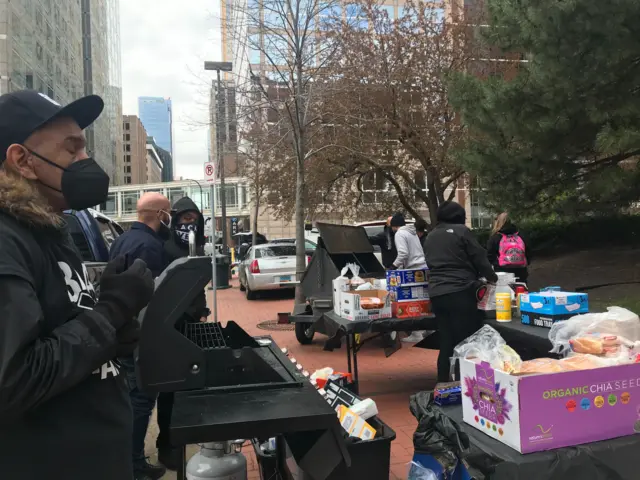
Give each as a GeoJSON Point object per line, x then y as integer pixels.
{"type": "Point", "coordinates": [294, 44]}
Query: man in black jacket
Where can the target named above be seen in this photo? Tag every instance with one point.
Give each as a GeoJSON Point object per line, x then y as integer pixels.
{"type": "Point", "coordinates": [60, 388]}
{"type": "Point", "coordinates": [387, 245]}
{"type": "Point", "coordinates": [144, 240]}
{"type": "Point", "coordinates": [186, 218]}
{"type": "Point", "coordinates": [456, 263]}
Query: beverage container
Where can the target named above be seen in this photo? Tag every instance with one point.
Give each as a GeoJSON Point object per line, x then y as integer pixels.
{"type": "Point", "coordinates": [504, 295]}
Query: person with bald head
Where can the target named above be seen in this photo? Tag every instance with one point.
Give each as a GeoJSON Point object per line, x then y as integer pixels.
{"type": "Point", "coordinates": [144, 240]}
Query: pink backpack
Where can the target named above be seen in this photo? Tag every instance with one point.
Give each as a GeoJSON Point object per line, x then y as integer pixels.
{"type": "Point", "coordinates": [511, 252]}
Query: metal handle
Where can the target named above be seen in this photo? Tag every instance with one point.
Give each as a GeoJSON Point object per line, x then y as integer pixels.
{"type": "Point", "coordinates": [192, 244]}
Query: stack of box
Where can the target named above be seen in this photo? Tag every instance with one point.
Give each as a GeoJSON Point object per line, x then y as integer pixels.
{"type": "Point", "coordinates": [409, 292]}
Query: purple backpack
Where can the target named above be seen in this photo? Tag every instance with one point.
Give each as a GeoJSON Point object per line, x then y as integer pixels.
{"type": "Point", "coordinates": [511, 252]}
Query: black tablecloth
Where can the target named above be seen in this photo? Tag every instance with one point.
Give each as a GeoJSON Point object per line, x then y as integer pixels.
{"type": "Point", "coordinates": [333, 324]}
{"type": "Point", "coordinates": [615, 459]}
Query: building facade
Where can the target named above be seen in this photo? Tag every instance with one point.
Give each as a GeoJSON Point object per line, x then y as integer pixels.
{"type": "Point", "coordinates": [135, 169]}
{"type": "Point", "coordinates": [154, 164]}
{"type": "Point", "coordinates": [156, 114]}
{"type": "Point", "coordinates": [223, 122]}
{"type": "Point", "coordinates": [102, 76]}
{"type": "Point", "coordinates": [165, 158]}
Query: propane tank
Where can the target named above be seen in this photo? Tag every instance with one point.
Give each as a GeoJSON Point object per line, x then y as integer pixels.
{"type": "Point", "coordinates": [218, 461]}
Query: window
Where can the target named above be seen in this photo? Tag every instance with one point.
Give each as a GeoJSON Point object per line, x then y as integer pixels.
{"type": "Point", "coordinates": [373, 185]}
{"type": "Point", "coordinates": [127, 125]}
{"type": "Point", "coordinates": [127, 137]}
{"type": "Point", "coordinates": [129, 200]}
{"type": "Point", "coordinates": [390, 11]}
{"type": "Point", "coordinates": [276, 251]}
{"type": "Point", "coordinates": [127, 169]}
{"type": "Point", "coordinates": [356, 17]}
{"type": "Point", "coordinates": [127, 148]}
{"type": "Point", "coordinates": [330, 15]}
{"type": "Point", "coordinates": [254, 49]}
{"type": "Point", "coordinates": [110, 206]}
{"type": "Point", "coordinates": [274, 14]}
{"type": "Point", "coordinates": [276, 49]}
{"type": "Point", "coordinates": [127, 180]}
{"type": "Point", "coordinates": [127, 158]}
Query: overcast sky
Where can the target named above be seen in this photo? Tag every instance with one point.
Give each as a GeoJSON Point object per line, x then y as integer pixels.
{"type": "Point", "coordinates": [164, 44]}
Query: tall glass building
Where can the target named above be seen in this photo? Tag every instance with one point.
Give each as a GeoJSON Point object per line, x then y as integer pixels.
{"type": "Point", "coordinates": [156, 115]}
{"type": "Point", "coordinates": [66, 49]}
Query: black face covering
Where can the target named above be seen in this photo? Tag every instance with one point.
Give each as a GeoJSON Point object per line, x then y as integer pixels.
{"type": "Point", "coordinates": [84, 183]}
{"type": "Point", "coordinates": [182, 232]}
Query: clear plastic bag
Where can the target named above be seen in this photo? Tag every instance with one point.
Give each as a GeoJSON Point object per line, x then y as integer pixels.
{"type": "Point", "coordinates": [355, 272]}
{"type": "Point", "coordinates": [613, 332]}
{"type": "Point", "coordinates": [418, 472]}
{"type": "Point", "coordinates": [486, 345]}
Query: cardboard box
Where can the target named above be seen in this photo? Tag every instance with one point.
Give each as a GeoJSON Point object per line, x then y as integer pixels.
{"type": "Point", "coordinates": [411, 309]}
{"type": "Point", "coordinates": [354, 424]}
{"type": "Point", "coordinates": [418, 291]}
{"type": "Point", "coordinates": [340, 285]}
{"type": "Point", "coordinates": [447, 394]}
{"type": "Point", "coordinates": [351, 309]}
{"type": "Point", "coordinates": [548, 306]}
{"type": "Point", "coordinates": [397, 278]}
{"type": "Point", "coordinates": [544, 412]}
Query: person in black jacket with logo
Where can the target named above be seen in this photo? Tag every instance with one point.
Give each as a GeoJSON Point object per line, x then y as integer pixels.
{"type": "Point", "coordinates": [61, 390]}
{"type": "Point", "coordinates": [387, 245]}
{"type": "Point", "coordinates": [186, 218]}
{"type": "Point", "coordinates": [456, 263]}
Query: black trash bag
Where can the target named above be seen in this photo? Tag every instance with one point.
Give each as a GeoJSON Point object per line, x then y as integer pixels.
{"type": "Point", "coordinates": [437, 435]}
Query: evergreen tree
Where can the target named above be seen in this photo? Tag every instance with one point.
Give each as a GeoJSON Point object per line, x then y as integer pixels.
{"type": "Point", "coordinates": [563, 135]}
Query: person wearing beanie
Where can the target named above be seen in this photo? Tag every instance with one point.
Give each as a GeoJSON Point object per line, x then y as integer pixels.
{"type": "Point", "coordinates": [410, 253]}
{"type": "Point", "coordinates": [457, 262]}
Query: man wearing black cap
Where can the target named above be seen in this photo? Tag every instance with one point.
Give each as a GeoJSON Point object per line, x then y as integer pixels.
{"type": "Point", "coordinates": [456, 263]}
{"type": "Point", "coordinates": [61, 393]}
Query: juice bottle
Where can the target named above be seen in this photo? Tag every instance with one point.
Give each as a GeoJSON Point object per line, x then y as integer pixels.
{"type": "Point", "coordinates": [503, 303]}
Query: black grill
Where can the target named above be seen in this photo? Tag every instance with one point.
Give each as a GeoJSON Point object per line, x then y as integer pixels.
{"type": "Point", "coordinates": [207, 336]}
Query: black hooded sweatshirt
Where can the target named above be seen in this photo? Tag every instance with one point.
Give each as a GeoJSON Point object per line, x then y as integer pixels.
{"type": "Point", "coordinates": [387, 245]}
{"type": "Point", "coordinates": [493, 252]}
{"type": "Point", "coordinates": [455, 258]}
{"type": "Point", "coordinates": [61, 391]}
{"type": "Point", "coordinates": [177, 246]}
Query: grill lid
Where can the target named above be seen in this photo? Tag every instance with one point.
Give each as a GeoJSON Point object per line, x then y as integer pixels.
{"type": "Point", "coordinates": [344, 239]}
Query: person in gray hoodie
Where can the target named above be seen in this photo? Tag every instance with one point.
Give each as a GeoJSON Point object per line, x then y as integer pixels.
{"type": "Point", "coordinates": [410, 253]}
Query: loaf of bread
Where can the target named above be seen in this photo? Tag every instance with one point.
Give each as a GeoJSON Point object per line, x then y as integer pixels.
{"type": "Point", "coordinates": [580, 362]}
{"type": "Point", "coordinates": [369, 303]}
{"type": "Point", "coordinates": [540, 366]}
{"type": "Point", "coordinates": [595, 344]}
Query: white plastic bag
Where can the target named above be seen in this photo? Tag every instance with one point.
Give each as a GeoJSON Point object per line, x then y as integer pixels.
{"type": "Point", "coordinates": [418, 472]}
{"type": "Point", "coordinates": [616, 321]}
{"type": "Point", "coordinates": [488, 302]}
{"type": "Point", "coordinates": [355, 272]}
{"type": "Point", "coordinates": [486, 345]}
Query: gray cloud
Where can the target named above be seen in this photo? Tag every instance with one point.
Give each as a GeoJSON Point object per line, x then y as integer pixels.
{"type": "Point", "coordinates": [164, 45]}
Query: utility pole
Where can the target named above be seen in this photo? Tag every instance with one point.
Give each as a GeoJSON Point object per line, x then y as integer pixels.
{"type": "Point", "coordinates": [220, 67]}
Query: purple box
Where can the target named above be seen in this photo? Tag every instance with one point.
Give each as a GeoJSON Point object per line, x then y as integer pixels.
{"type": "Point", "coordinates": [543, 412]}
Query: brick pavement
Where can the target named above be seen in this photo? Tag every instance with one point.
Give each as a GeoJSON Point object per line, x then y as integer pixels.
{"type": "Point", "coordinates": [389, 381]}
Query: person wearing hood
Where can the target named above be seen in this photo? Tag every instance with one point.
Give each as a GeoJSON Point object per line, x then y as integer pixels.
{"type": "Point", "coordinates": [61, 388]}
{"type": "Point", "coordinates": [385, 241]}
{"type": "Point", "coordinates": [186, 218]}
{"type": "Point", "coordinates": [457, 262]}
{"type": "Point", "coordinates": [410, 253]}
{"type": "Point", "coordinates": [507, 249]}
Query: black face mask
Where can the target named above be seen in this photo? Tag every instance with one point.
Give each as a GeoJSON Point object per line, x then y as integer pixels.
{"type": "Point", "coordinates": [182, 232]}
{"type": "Point", "coordinates": [165, 232]}
{"type": "Point", "coordinates": [84, 183]}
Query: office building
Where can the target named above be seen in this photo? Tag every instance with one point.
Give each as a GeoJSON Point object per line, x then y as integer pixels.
{"type": "Point", "coordinates": [135, 163]}
{"type": "Point", "coordinates": [223, 119]}
{"type": "Point", "coordinates": [165, 157]}
{"type": "Point", "coordinates": [153, 164]}
{"type": "Point", "coordinates": [102, 76]}
{"type": "Point", "coordinates": [156, 114]}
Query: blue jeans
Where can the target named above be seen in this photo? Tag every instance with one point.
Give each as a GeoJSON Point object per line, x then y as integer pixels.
{"type": "Point", "coordinates": [142, 404]}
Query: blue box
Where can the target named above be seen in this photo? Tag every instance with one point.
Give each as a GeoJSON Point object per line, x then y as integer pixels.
{"type": "Point", "coordinates": [417, 291]}
{"type": "Point", "coordinates": [447, 394]}
{"type": "Point", "coordinates": [551, 305]}
{"type": "Point", "coordinates": [399, 278]}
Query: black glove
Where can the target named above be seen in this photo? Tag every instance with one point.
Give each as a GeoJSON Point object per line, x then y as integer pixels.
{"type": "Point", "coordinates": [124, 291]}
{"type": "Point", "coordinates": [128, 337]}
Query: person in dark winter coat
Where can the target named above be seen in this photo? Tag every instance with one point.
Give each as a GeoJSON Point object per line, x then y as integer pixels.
{"type": "Point", "coordinates": [186, 217]}
{"type": "Point", "coordinates": [61, 389]}
{"type": "Point", "coordinates": [387, 245]}
{"type": "Point", "coordinates": [507, 249]}
{"type": "Point", "coordinates": [456, 263]}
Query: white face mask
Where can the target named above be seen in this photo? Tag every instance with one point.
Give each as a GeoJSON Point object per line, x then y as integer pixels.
{"type": "Point", "coordinates": [165, 224]}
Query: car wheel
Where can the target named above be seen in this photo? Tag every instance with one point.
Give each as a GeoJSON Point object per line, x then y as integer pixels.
{"type": "Point", "coordinates": [304, 333]}
{"type": "Point", "coordinates": [251, 295]}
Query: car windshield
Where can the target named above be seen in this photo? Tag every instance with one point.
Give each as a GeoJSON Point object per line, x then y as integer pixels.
{"type": "Point", "coordinates": [374, 230]}
{"type": "Point", "coordinates": [276, 251]}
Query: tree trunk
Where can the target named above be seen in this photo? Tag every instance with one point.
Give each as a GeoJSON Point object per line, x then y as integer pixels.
{"type": "Point", "coordinates": [301, 263]}
{"type": "Point", "coordinates": [254, 224]}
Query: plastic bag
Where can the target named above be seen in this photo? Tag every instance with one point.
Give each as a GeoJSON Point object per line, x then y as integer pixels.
{"type": "Point", "coordinates": [596, 333]}
{"type": "Point", "coordinates": [488, 300]}
{"type": "Point", "coordinates": [418, 472]}
{"type": "Point", "coordinates": [355, 272]}
{"type": "Point", "coordinates": [486, 345]}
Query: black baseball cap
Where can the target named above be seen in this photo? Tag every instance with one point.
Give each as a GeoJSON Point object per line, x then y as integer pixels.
{"type": "Point", "coordinates": [25, 111]}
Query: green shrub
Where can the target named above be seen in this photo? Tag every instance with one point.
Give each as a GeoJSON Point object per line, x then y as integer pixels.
{"type": "Point", "coordinates": [550, 237]}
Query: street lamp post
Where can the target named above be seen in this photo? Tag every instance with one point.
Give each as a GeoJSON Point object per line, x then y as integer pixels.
{"type": "Point", "coordinates": [201, 194]}
{"type": "Point", "coordinates": [220, 67]}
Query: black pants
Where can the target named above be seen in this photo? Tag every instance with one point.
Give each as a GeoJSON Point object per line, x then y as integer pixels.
{"type": "Point", "coordinates": [165, 407]}
{"type": "Point", "coordinates": [458, 317]}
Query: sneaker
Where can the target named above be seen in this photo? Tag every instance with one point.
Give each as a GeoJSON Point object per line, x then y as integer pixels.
{"type": "Point", "coordinates": [415, 337]}
{"type": "Point", "coordinates": [147, 471]}
{"type": "Point", "coordinates": [169, 457]}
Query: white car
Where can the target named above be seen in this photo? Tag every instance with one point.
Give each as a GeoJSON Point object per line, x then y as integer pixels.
{"type": "Point", "coordinates": [268, 267]}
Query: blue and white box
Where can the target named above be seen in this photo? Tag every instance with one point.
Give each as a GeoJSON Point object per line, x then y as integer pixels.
{"type": "Point", "coordinates": [550, 305]}
{"type": "Point", "coordinates": [418, 291]}
{"type": "Point", "coordinates": [399, 278]}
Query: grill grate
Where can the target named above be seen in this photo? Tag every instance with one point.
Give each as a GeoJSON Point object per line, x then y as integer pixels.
{"type": "Point", "coordinates": [205, 335]}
